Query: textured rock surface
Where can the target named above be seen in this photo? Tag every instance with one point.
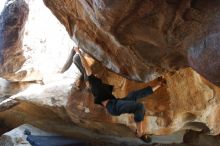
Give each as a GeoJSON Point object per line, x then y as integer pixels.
{"type": "Point", "coordinates": [170, 109]}
{"type": "Point", "coordinates": [150, 37]}
{"type": "Point", "coordinates": [147, 39]}
{"type": "Point", "coordinates": [204, 57]}
{"type": "Point", "coordinates": [28, 48]}
{"type": "Point", "coordinates": [47, 119]}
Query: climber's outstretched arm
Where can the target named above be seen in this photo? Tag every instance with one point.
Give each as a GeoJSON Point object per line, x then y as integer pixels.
{"type": "Point", "coordinates": [84, 62]}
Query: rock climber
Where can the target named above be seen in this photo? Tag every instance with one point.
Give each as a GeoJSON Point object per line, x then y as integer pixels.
{"type": "Point", "coordinates": [103, 96]}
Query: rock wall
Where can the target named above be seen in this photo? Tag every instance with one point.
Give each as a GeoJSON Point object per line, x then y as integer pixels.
{"type": "Point", "coordinates": [147, 39]}
{"type": "Point", "coordinates": [150, 37]}
{"type": "Point", "coordinates": [187, 102]}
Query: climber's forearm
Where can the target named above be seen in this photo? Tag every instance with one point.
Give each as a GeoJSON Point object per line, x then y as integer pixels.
{"type": "Point", "coordinates": [85, 64]}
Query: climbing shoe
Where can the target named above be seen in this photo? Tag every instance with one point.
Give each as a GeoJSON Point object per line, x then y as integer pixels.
{"type": "Point", "coordinates": [146, 138]}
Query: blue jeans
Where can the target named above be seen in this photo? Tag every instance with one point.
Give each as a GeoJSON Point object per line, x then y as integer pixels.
{"type": "Point", "coordinates": [128, 104]}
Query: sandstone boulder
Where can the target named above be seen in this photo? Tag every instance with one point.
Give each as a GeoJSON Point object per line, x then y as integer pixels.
{"type": "Point", "coordinates": [144, 39]}
{"type": "Point", "coordinates": [140, 41]}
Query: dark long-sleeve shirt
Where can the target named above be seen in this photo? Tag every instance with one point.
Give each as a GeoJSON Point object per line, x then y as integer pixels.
{"type": "Point", "coordinates": [100, 90]}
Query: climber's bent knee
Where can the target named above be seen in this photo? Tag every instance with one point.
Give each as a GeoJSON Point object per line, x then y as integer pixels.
{"type": "Point", "coordinates": [139, 113]}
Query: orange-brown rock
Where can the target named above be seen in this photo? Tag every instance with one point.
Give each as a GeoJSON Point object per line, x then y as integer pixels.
{"type": "Point", "coordinates": [142, 39]}
{"type": "Point", "coordinates": [186, 102]}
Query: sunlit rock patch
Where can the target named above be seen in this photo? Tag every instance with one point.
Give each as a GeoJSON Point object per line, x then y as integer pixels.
{"type": "Point", "coordinates": [33, 42]}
